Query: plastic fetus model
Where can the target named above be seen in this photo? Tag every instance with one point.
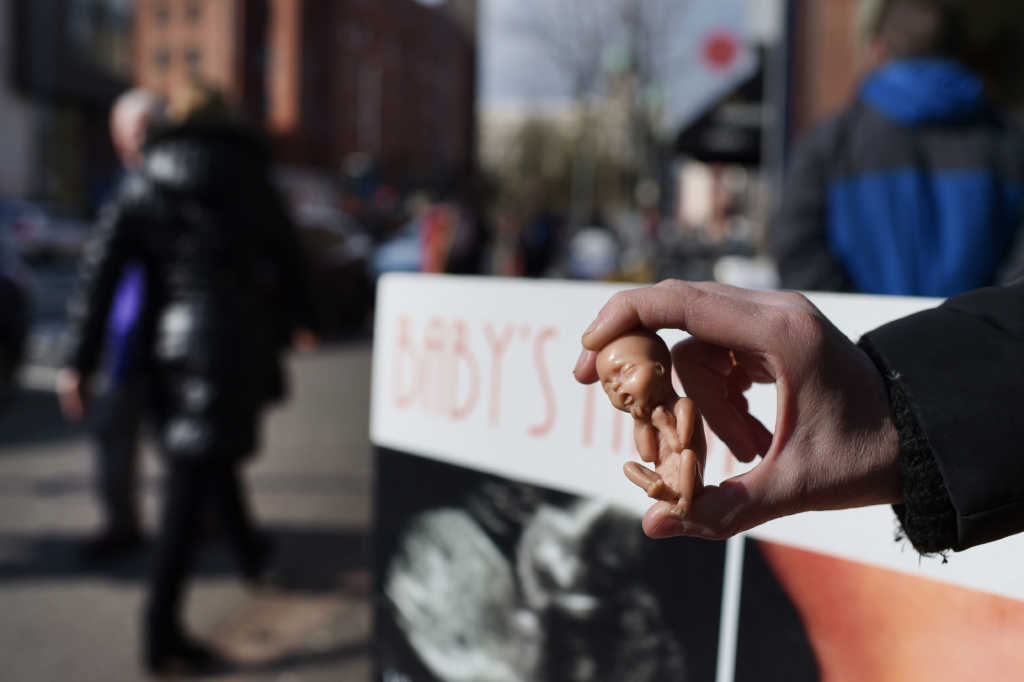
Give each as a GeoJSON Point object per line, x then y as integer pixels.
{"type": "Point", "coordinates": [635, 372]}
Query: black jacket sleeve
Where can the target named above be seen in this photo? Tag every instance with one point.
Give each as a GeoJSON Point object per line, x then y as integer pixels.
{"type": "Point", "coordinates": [109, 246]}
{"type": "Point", "coordinates": [797, 237]}
{"type": "Point", "coordinates": [956, 375]}
{"type": "Point", "coordinates": [292, 264]}
{"type": "Point", "coordinates": [1011, 270]}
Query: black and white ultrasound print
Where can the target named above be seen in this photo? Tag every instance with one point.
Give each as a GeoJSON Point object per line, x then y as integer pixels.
{"type": "Point", "coordinates": [498, 581]}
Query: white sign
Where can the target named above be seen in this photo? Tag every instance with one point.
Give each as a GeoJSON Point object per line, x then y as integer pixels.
{"type": "Point", "coordinates": [710, 55]}
{"type": "Point", "coordinates": [478, 372]}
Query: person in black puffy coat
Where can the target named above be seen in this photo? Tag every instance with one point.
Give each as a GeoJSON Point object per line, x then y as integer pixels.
{"type": "Point", "coordinates": [226, 278]}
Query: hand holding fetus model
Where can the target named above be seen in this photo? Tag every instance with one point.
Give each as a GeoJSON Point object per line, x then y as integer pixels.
{"type": "Point", "coordinates": [635, 372]}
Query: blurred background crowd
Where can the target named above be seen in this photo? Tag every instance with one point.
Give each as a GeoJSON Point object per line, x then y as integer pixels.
{"type": "Point", "coordinates": [620, 139]}
{"type": "Point", "coordinates": [615, 140]}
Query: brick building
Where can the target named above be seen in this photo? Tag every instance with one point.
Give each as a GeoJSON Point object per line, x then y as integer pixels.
{"type": "Point", "coordinates": [825, 60]}
{"type": "Point", "coordinates": [391, 79]}
{"type": "Point", "coordinates": [223, 41]}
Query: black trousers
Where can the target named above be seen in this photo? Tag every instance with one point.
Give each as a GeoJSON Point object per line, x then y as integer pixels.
{"type": "Point", "coordinates": [189, 487]}
{"type": "Point", "coordinates": [118, 426]}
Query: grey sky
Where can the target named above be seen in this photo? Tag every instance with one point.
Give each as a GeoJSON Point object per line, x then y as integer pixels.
{"type": "Point", "coordinates": [514, 66]}
{"type": "Point", "coordinates": [511, 66]}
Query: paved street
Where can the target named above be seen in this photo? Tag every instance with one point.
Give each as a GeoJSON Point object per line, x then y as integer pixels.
{"type": "Point", "coordinates": [67, 620]}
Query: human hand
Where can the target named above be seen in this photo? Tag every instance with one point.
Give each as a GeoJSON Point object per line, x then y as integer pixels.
{"type": "Point", "coordinates": [305, 340]}
{"type": "Point", "coordinates": [71, 394]}
{"type": "Point", "coordinates": [834, 444]}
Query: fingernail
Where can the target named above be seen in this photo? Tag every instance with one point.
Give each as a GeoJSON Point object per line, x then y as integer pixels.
{"type": "Point", "coordinates": [591, 327]}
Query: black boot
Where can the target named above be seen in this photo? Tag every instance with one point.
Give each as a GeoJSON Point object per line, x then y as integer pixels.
{"type": "Point", "coordinates": [108, 545]}
{"type": "Point", "coordinates": [258, 565]}
{"type": "Point", "coordinates": [173, 653]}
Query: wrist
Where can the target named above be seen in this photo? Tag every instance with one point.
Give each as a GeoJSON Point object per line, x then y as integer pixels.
{"type": "Point", "coordinates": [887, 449]}
{"type": "Point", "coordinates": [876, 438]}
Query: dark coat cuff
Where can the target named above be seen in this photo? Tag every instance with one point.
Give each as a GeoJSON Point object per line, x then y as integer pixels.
{"type": "Point", "coordinates": [927, 515]}
{"type": "Point", "coordinates": [959, 368]}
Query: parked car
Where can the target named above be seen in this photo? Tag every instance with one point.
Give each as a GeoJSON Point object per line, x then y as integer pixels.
{"type": "Point", "coordinates": [337, 250]}
{"type": "Point", "coordinates": [39, 233]}
{"type": "Point", "coordinates": [14, 313]}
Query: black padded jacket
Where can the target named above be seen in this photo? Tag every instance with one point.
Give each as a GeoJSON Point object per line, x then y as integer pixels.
{"type": "Point", "coordinates": [956, 382]}
{"type": "Point", "coordinates": [225, 282]}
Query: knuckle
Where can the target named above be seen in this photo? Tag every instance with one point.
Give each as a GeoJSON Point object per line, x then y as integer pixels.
{"type": "Point", "coordinates": [620, 299]}
{"type": "Point", "coordinates": [805, 327]}
{"type": "Point", "coordinates": [797, 299]}
{"type": "Point", "coordinates": [678, 288]}
{"type": "Point", "coordinates": [779, 323]}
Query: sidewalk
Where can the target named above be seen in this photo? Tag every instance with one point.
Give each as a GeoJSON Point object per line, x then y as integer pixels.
{"type": "Point", "coordinates": [65, 620]}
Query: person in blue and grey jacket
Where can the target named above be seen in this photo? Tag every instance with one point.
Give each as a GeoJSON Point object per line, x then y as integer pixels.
{"type": "Point", "coordinates": [917, 187]}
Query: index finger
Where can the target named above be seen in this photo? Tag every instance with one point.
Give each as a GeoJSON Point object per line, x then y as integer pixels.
{"type": "Point", "coordinates": [725, 316]}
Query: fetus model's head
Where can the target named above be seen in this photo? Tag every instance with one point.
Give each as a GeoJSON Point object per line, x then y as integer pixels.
{"type": "Point", "coordinates": [634, 370]}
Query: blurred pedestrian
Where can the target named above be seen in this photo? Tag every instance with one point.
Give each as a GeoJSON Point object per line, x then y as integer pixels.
{"type": "Point", "coordinates": [541, 236]}
{"type": "Point", "coordinates": [226, 282]}
{"type": "Point", "coordinates": [118, 419]}
{"type": "Point", "coordinates": [917, 187]}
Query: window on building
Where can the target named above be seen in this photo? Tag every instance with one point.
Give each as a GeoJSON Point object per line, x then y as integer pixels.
{"type": "Point", "coordinates": [162, 12]}
{"type": "Point", "coordinates": [193, 58]}
{"type": "Point", "coordinates": [161, 57]}
{"type": "Point", "coordinates": [194, 11]}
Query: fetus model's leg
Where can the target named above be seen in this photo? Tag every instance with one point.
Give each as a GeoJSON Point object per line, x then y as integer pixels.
{"type": "Point", "coordinates": [646, 438]}
{"type": "Point", "coordinates": [689, 478]}
{"type": "Point", "coordinates": [689, 473]}
{"type": "Point", "coordinates": [649, 480]}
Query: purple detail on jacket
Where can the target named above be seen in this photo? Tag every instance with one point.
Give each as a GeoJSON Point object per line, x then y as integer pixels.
{"type": "Point", "coordinates": [123, 323]}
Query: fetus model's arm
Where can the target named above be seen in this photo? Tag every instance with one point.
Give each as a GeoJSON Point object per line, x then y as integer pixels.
{"type": "Point", "coordinates": [666, 423]}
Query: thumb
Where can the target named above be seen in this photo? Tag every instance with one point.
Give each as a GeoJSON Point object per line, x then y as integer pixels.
{"type": "Point", "coordinates": [718, 511]}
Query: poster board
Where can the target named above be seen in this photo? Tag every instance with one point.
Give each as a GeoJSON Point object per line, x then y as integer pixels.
{"type": "Point", "coordinates": [497, 470]}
